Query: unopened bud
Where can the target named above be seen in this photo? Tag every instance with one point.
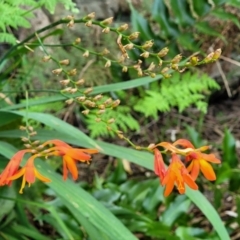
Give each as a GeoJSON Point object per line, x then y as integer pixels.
{"type": "Point", "coordinates": [73, 90]}
{"type": "Point", "coordinates": [124, 69]}
{"type": "Point", "coordinates": [108, 101]}
{"type": "Point", "coordinates": [151, 66]}
{"type": "Point", "coordinates": [57, 71]}
{"type": "Point", "coordinates": [145, 54]}
{"type": "Point", "coordinates": [147, 44]}
{"type": "Point", "coordinates": [101, 106]}
{"type": "Point", "coordinates": [128, 46]}
{"type": "Point", "coordinates": [36, 142]}
{"type": "Point", "coordinates": [98, 97]}
{"type": "Point", "coordinates": [72, 72]}
{"type": "Point", "coordinates": [27, 145]}
{"type": "Point", "coordinates": [86, 54]}
{"type": "Point", "coordinates": [69, 17]}
{"type": "Point", "coordinates": [139, 72]}
{"type": "Point", "coordinates": [134, 36]}
{"type": "Point", "coordinates": [123, 27]}
{"type": "Point", "coordinates": [151, 146]}
{"type": "Point", "coordinates": [71, 23]}
{"type": "Point", "coordinates": [167, 75]}
{"type": "Point", "coordinates": [105, 51]}
{"type": "Point", "coordinates": [67, 89]}
{"type": "Point", "coordinates": [176, 59]}
{"type": "Point", "coordinates": [165, 70]}
{"type": "Point", "coordinates": [152, 75]}
{"type": "Point", "coordinates": [46, 58]}
{"type": "Point", "coordinates": [22, 128]}
{"type": "Point", "coordinates": [217, 54]}
{"type": "Point", "coordinates": [98, 119]}
{"type": "Point", "coordinates": [112, 120]}
{"type": "Point", "coordinates": [85, 112]}
{"type": "Point", "coordinates": [194, 61]}
{"type": "Point", "coordinates": [30, 128]}
{"type": "Point", "coordinates": [40, 147]}
{"type": "Point", "coordinates": [174, 66]}
{"type": "Point", "coordinates": [163, 52]}
{"type": "Point", "coordinates": [80, 82]}
{"type": "Point", "coordinates": [107, 21]}
{"type": "Point", "coordinates": [81, 99]}
{"type": "Point", "coordinates": [77, 41]}
{"type": "Point", "coordinates": [64, 62]}
{"type": "Point", "coordinates": [33, 133]}
{"type": "Point", "coordinates": [106, 30]}
{"type": "Point", "coordinates": [69, 101]}
{"type": "Point", "coordinates": [88, 23]}
{"type": "Point", "coordinates": [24, 139]}
{"type": "Point", "coordinates": [209, 57]}
{"type": "Point", "coordinates": [88, 90]}
{"type": "Point", "coordinates": [115, 103]}
{"type": "Point", "coordinates": [121, 59]}
{"type": "Point", "coordinates": [64, 82]}
{"type": "Point", "coordinates": [90, 16]}
{"type": "Point", "coordinates": [108, 64]}
{"type": "Point", "coordinates": [90, 103]}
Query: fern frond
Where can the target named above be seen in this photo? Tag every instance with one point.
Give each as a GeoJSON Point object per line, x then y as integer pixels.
{"type": "Point", "coordinates": [124, 121]}
{"type": "Point", "coordinates": [180, 91]}
{"type": "Point", "coordinates": [7, 38]}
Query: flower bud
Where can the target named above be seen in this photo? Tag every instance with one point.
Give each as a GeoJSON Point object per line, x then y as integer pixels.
{"type": "Point", "coordinates": [30, 128]}
{"type": "Point", "coordinates": [88, 90]}
{"type": "Point", "coordinates": [81, 99]}
{"type": "Point", "coordinates": [115, 103]}
{"type": "Point", "coordinates": [33, 133]}
{"type": "Point", "coordinates": [72, 72]}
{"type": "Point", "coordinates": [73, 90]}
{"type": "Point", "coordinates": [90, 16]}
{"type": "Point", "coordinates": [98, 97]}
{"type": "Point", "coordinates": [176, 59]}
{"type": "Point", "coordinates": [217, 54]}
{"type": "Point", "coordinates": [128, 46]}
{"type": "Point", "coordinates": [151, 66]}
{"type": "Point", "coordinates": [80, 82]}
{"type": "Point", "coordinates": [106, 30]}
{"type": "Point", "coordinates": [107, 21]}
{"type": "Point", "coordinates": [85, 112]}
{"type": "Point", "coordinates": [101, 111]}
{"type": "Point", "coordinates": [139, 72]}
{"type": "Point", "coordinates": [163, 52]}
{"type": "Point", "coordinates": [209, 57]}
{"type": "Point", "coordinates": [147, 44]}
{"type": "Point", "coordinates": [165, 70]}
{"type": "Point", "coordinates": [77, 40]}
{"type": "Point", "coordinates": [152, 75]}
{"type": "Point", "coordinates": [64, 82]}
{"type": "Point", "coordinates": [101, 106]}
{"type": "Point", "coordinates": [108, 101]}
{"type": "Point", "coordinates": [69, 101]}
{"type": "Point", "coordinates": [194, 60]}
{"type": "Point", "coordinates": [71, 23]}
{"type": "Point", "coordinates": [108, 64]}
{"type": "Point", "coordinates": [64, 62]}
{"type": "Point", "coordinates": [98, 119]}
{"type": "Point", "coordinates": [174, 66]}
{"type": "Point", "coordinates": [123, 27]}
{"type": "Point", "coordinates": [88, 23]}
{"type": "Point", "coordinates": [57, 71]}
{"type": "Point", "coordinates": [105, 51]}
{"type": "Point", "coordinates": [24, 139]}
{"type": "Point", "coordinates": [46, 58]}
{"type": "Point", "coordinates": [124, 69]}
{"type": "Point", "coordinates": [134, 36]}
{"type": "Point", "coordinates": [23, 128]}
{"type": "Point", "coordinates": [27, 145]}
{"type": "Point", "coordinates": [86, 54]}
{"type": "Point", "coordinates": [111, 120]}
{"type": "Point", "coordinates": [145, 54]}
{"type": "Point", "coordinates": [36, 142]}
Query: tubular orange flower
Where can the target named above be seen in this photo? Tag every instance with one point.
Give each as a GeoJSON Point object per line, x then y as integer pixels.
{"type": "Point", "coordinates": [12, 167]}
{"type": "Point", "coordinates": [177, 173]}
{"type": "Point", "coordinates": [70, 156]}
{"type": "Point", "coordinates": [29, 173]}
{"type": "Point", "coordinates": [159, 167]}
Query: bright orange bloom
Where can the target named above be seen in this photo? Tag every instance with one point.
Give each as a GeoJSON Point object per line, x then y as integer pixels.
{"type": "Point", "coordinates": [159, 167]}
{"type": "Point", "coordinates": [199, 160]}
{"type": "Point", "coordinates": [12, 167]}
{"type": "Point", "coordinates": [177, 173]}
{"type": "Point", "coordinates": [70, 156]}
{"type": "Point", "coordinates": [29, 173]}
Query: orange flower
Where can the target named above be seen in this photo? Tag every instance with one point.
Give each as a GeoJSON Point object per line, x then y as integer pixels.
{"type": "Point", "coordinates": [177, 173]}
{"type": "Point", "coordinates": [159, 167]}
{"type": "Point", "coordinates": [12, 167]}
{"type": "Point", "coordinates": [29, 173]}
{"type": "Point", "coordinates": [199, 160]}
{"type": "Point", "coordinates": [70, 156]}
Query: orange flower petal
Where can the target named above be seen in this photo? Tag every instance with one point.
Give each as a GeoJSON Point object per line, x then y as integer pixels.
{"type": "Point", "coordinates": [190, 182]}
{"type": "Point", "coordinates": [209, 157]}
{"type": "Point", "coordinates": [169, 187]}
{"type": "Point", "coordinates": [159, 167]}
{"type": "Point", "coordinates": [207, 170]}
{"type": "Point", "coordinates": [78, 154]}
{"type": "Point", "coordinates": [40, 176]}
{"type": "Point", "coordinates": [71, 165]}
{"type": "Point", "coordinates": [18, 174]}
{"type": "Point", "coordinates": [184, 143]}
{"type": "Point", "coordinates": [194, 168]}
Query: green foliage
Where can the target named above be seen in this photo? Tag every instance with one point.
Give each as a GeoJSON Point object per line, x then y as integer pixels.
{"type": "Point", "coordinates": [123, 120]}
{"type": "Point", "coordinates": [181, 90]}
{"type": "Point", "coordinates": [14, 15]}
{"type": "Point", "coordinates": [182, 21]}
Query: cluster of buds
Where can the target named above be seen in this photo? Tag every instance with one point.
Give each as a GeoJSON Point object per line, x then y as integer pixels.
{"type": "Point", "coordinates": [181, 173]}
